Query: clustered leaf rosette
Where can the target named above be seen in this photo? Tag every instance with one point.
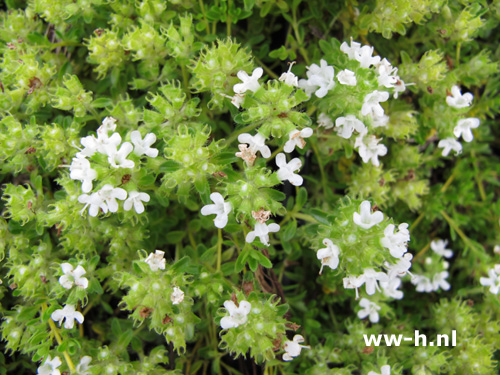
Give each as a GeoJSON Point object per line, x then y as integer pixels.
{"type": "Point", "coordinates": [159, 296]}
{"type": "Point", "coordinates": [368, 252]}
{"type": "Point", "coordinates": [253, 324]}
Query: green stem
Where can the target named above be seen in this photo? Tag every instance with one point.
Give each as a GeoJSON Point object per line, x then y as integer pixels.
{"type": "Point", "coordinates": [320, 164]}
{"type": "Point", "coordinates": [228, 19]}
{"type": "Point", "coordinates": [266, 68]}
{"type": "Point", "coordinates": [235, 134]}
{"type": "Point", "coordinates": [305, 217]}
{"type": "Point", "coordinates": [207, 25]}
{"type": "Point", "coordinates": [219, 250]}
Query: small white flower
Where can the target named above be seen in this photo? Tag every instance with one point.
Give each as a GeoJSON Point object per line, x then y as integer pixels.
{"type": "Point", "coordinates": [386, 74]}
{"type": "Point", "coordinates": [296, 138]}
{"type": "Point", "coordinates": [439, 281]}
{"type": "Point", "coordinates": [262, 231]}
{"type": "Point", "coordinates": [177, 296]}
{"type": "Point", "coordinates": [286, 170]}
{"type": "Point", "coordinates": [96, 202]}
{"type": "Point", "coordinates": [237, 100]}
{"type": "Point", "coordinates": [464, 127]}
{"type": "Point", "coordinates": [380, 121]}
{"type": "Point", "coordinates": [423, 283]}
{"type": "Point", "coordinates": [390, 288]}
{"type": "Point", "coordinates": [73, 276]}
{"type": "Point", "coordinates": [135, 199]}
{"type": "Point", "coordinates": [109, 195]}
{"type": "Point", "coordinates": [219, 208]}
{"type": "Point", "coordinates": [371, 103]}
{"type": "Point", "coordinates": [365, 58]}
{"type": "Point", "coordinates": [289, 78]}
{"type": "Point", "coordinates": [320, 79]}
{"type": "Point", "coordinates": [457, 100]}
{"type": "Point", "coordinates": [449, 144]}
{"type": "Point", "coordinates": [493, 279]}
{"type": "Point", "coordinates": [366, 219]}
{"type": "Point", "coordinates": [329, 256]}
{"type": "Point", "coordinates": [108, 125]}
{"type": "Point", "coordinates": [346, 125]}
{"type": "Point", "coordinates": [439, 247]}
{"type": "Point", "coordinates": [50, 366]}
{"type": "Point", "coordinates": [401, 267]}
{"type": "Point", "coordinates": [256, 142]}
{"type": "Point", "coordinates": [118, 159]}
{"type": "Point", "coordinates": [80, 170]}
{"type": "Point", "coordinates": [354, 282]}
{"type": "Point", "coordinates": [352, 50]}
{"type": "Point", "coordinates": [384, 370]}
{"type": "Point", "coordinates": [371, 278]}
{"type": "Point", "coordinates": [325, 121]}
{"type": "Point", "coordinates": [156, 261]}
{"type": "Point", "coordinates": [83, 367]}
{"type": "Point", "coordinates": [396, 242]}
{"type": "Point", "coordinates": [250, 83]}
{"type": "Point", "coordinates": [237, 315]}
{"type": "Point", "coordinates": [400, 86]}
{"type": "Point", "coordinates": [70, 314]}
{"type": "Point", "coordinates": [143, 146]}
{"type": "Point", "coordinates": [347, 77]}
{"type": "Point", "coordinates": [293, 348]}
{"type": "Point", "coordinates": [370, 309]}
{"type": "Point", "coordinates": [369, 149]}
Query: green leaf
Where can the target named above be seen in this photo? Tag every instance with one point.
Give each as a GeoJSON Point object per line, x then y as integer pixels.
{"type": "Point", "coordinates": [262, 259]}
{"type": "Point", "coordinates": [170, 166]}
{"type": "Point", "coordinates": [242, 260]}
{"type": "Point", "coordinates": [181, 265]}
{"type": "Point", "coordinates": [253, 264]}
{"type": "Point", "coordinates": [102, 103]}
{"type": "Point", "coordinates": [289, 231]}
{"type": "Point", "coordinates": [124, 339]}
{"type": "Point", "coordinates": [174, 237]}
{"type": "Point", "coordinates": [301, 198]}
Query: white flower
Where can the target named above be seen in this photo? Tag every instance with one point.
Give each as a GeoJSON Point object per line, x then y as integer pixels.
{"type": "Point", "coordinates": [365, 58]}
{"type": "Point", "coordinates": [73, 276]}
{"type": "Point", "coordinates": [250, 83]}
{"type": "Point", "coordinates": [262, 231]}
{"type": "Point", "coordinates": [493, 279]}
{"type": "Point", "coordinates": [390, 288]}
{"type": "Point", "coordinates": [50, 366]}
{"type": "Point", "coordinates": [354, 282]}
{"type": "Point", "coordinates": [293, 348]}
{"type": "Point", "coordinates": [296, 138]}
{"type": "Point", "coordinates": [439, 247]}
{"type": "Point", "coordinates": [365, 219]}
{"type": "Point", "coordinates": [80, 170]}
{"type": "Point", "coordinates": [380, 121]}
{"type": "Point", "coordinates": [439, 281]}
{"type": "Point", "coordinates": [118, 159]}
{"type": "Point", "coordinates": [369, 309]}
{"type": "Point", "coordinates": [237, 315]}
{"type": "Point", "coordinates": [135, 199]}
{"type": "Point", "coordinates": [325, 121]}
{"type": "Point", "coordinates": [156, 260]}
{"type": "Point", "coordinates": [256, 142]}
{"type": "Point", "coordinates": [108, 125]}
{"type": "Point", "coordinates": [371, 278]}
{"type": "Point", "coordinates": [70, 314]}
{"type": "Point", "coordinates": [423, 283]}
{"type": "Point", "coordinates": [369, 149]}
{"type": "Point", "coordinates": [449, 144]}
{"type": "Point", "coordinates": [177, 296]}
{"type": "Point", "coordinates": [387, 74]}
{"type": "Point", "coordinates": [371, 103]}
{"type": "Point", "coordinates": [83, 367]}
{"type": "Point", "coordinates": [385, 370]}
{"type": "Point", "coordinates": [143, 146]}
{"type": "Point", "coordinates": [320, 79]}
{"type": "Point", "coordinates": [96, 201]}
{"type": "Point", "coordinates": [329, 256]}
{"type": "Point", "coordinates": [237, 100]}
{"type": "Point", "coordinates": [396, 242]}
{"type": "Point", "coordinates": [220, 208]}
{"type": "Point", "coordinates": [109, 195]}
{"type": "Point", "coordinates": [289, 78]}
{"type": "Point", "coordinates": [401, 267]}
{"type": "Point", "coordinates": [400, 86]}
{"type": "Point", "coordinates": [464, 127]}
{"type": "Point", "coordinates": [347, 77]}
{"type": "Point", "coordinates": [457, 100]}
{"type": "Point", "coordinates": [352, 50]}
{"type": "Point", "coordinates": [346, 125]}
{"type": "Point", "coordinates": [286, 170]}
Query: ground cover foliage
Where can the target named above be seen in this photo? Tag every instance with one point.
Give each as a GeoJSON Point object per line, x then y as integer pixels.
{"type": "Point", "coordinates": [248, 186]}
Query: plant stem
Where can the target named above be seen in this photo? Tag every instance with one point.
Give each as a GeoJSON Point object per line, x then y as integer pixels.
{"type": "Point", "coordinates": [266, 68]}
{"type": "Point", "coordinates": [228, 19]}
{"type": "Point", "coordinates": [219, 250]}
{"type": "Point", "coordinates": [207, 25]}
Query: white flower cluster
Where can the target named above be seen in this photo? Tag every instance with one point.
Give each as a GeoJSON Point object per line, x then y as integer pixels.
{"type": "Point", "coordinates": [493, 279]}
{"type": "Point", "coordinates": [111, 146]}
{"type": "Point", "coordinates": [50, 366]}
{"type": "Point", "coordinates": [238, 315]}
{"type": "Point", "coordinates": [157, 262]}
{"type": "Point", "coordinates": [394, 241]}
{"type": "Point", "coordinates": [321, 80]}
{"type": "Point", "coordinates": [464, 126]}
{"type": "Point", "coordinates": [438, 280]}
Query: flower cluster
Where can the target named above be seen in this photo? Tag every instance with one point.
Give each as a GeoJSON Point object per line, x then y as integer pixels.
{"type": "Point", "coordinates": [117, 155]}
